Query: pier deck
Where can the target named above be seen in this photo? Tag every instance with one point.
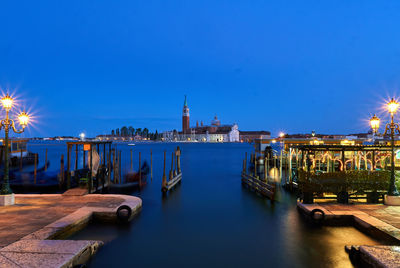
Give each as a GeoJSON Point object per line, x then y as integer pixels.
{"type": "Point", "coordinates": [27, 229]}
{"type": "Point", "coordinates": [377, 220]}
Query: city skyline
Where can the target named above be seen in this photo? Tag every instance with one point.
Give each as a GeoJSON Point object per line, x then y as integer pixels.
{"type": "Point", "coordinates": [294, 68]}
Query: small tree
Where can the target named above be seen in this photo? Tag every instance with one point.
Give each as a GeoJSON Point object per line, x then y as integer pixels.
{"type": "Point", "coordinates": [124, 131]}
{"type": "Point", "coordinates": [131, 131]}
{"type": "Point", "coordinates": [145, 132]}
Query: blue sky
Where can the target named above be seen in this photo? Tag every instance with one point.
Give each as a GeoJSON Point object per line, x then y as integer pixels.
{"type": "Point", "coordinates": [295, 66]}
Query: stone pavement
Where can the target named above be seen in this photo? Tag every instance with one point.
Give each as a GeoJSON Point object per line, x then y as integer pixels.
{"type": "Point", "coordinates": [375, 219]}
{"type": "Point", "coordinates": [26, 228]}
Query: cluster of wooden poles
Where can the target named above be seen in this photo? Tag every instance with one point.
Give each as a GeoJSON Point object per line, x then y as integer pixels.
{"type": "Point", "coordinates": [35, 163]}
{"type": "Point", "coordinates": [114, 158]}
{"type": "Point", "coordinates": [267, 166]}
{"type": "Point", "coordinates": [254, 182]}
{"type": "Point", "coordinates": [175, 173]}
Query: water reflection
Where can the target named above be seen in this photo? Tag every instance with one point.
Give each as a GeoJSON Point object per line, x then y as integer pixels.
{"type": "Point", "coordinates": [210, 220]}
{"type": "Point", "coordinates": [314, 245]}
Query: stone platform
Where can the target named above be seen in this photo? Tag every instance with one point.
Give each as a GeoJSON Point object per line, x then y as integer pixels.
{"type": "Point", "coordinates": [377, 220]}
{"type": "Point", "coordinates": [28, 228]}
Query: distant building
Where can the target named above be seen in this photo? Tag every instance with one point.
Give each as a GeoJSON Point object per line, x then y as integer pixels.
{"type": "Point", "coordinates": [212, 133]}
{"type": "Point", "coordinates": [251, 136]}
{"type": "Point", "coordinates": [185, 118]}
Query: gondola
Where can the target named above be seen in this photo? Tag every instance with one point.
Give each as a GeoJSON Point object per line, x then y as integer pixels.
{"type": "Point", "coordinates": [132, 182]}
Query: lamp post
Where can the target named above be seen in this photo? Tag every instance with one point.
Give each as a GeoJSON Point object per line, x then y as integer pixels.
{"type": "Point", "coordinates": [390, 128]}
{"type": "Point", "coordinates": [7, 102]}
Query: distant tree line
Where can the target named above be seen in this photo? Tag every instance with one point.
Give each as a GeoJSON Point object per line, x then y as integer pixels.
{"type": "Point", "coordinates": [132, 132]}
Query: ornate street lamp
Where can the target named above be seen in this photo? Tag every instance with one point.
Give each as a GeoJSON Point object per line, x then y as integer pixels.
{"type": "Point", "coordinates": [7, 102]}
{"type": "Point", "coordinates": [375, 122]}
{"type": "Point", "coordinates": [390, 128]}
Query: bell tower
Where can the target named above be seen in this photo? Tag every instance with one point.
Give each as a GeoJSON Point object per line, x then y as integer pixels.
{"type": "Point", "coordinates": [185, 118]}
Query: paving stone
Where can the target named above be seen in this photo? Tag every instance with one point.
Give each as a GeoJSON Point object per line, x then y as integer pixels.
{"type": "Point", "coordinates": [6, 263]}
{"type": "Point", "coordinates": [41, 234]}
{"type": "Point", "coordinates": [48, 246]}
{"type": "Point", "coordinates": [37, 260]}
{"type": "Point", "coordinates": [38, 216]}
{"type": "Point", "coordinates": [381, 256]}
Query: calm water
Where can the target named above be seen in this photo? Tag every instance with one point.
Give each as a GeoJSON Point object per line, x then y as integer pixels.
{"type": "Point", "coordinates": [210, 220]}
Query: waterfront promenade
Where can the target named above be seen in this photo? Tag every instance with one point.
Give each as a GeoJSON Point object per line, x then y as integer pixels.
{"type": "Point", "coordinates": [38, 220]}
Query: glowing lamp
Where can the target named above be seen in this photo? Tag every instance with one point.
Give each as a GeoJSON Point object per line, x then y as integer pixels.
{"type": "Point", "coordinates": [375, 122]}
{"type": "Point", "coordinates": [281, 134]}
{"type": "Point", "coordinates": [392, 106]}
{"type": "Point", "coordinates": [82, 136]}
{"type": "Point", "coordinates": [23, 119]}
{"type": "Point", "coordinates": [7, 102]}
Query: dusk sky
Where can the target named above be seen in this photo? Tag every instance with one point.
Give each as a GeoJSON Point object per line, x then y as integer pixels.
{"type": "Point", "coordinates": [294, 66]}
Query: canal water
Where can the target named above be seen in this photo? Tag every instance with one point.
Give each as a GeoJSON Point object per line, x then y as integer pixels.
{"type": "Point", "coordinates": [210, 220]}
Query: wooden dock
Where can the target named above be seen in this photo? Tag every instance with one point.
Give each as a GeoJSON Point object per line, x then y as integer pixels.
{"type": "Point", "coordinates": [262, 187]}
{"type": "Point", "coordinates": [253, 181]}
{"type": "Point", "coordinates": [175, 173]}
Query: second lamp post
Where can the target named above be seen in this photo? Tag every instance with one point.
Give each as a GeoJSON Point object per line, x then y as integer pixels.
{"type": "Point", "coordinates": [390, 128]}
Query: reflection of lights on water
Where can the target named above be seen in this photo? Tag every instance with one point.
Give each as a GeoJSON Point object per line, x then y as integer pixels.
{"type": "Point", "coordinates": [274, 174]}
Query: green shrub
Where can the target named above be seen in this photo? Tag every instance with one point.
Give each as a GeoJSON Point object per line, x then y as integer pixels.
{"type": "Point", "coordinates": [334, 182]}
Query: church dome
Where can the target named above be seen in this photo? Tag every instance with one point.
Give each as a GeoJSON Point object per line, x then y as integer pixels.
{"type": "Point", "coordinates": [216, 121]}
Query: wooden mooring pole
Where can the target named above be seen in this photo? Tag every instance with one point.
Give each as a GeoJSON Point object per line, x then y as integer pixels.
{"type": "Point", "coordinates": [45, 162]}
{"type": "Point", "coordinates": [151, 165]}
{"type": "Point", "coordinates": [131, 160]}
{"type": "Point", "coordinates": [164, 177]}
{"type": "Point", "coordinates": [255, 165]}
{"type": "Point", "coordinates": [265, 170]}
{"type": "Point", "coordinates": [114, 166]}
{"type": "Point", "coordinates": [35, 171]}
{"type": "Point", "coordinates": [20, 161]}
{"type": "Point", "coordinates": [69, 148]}
{"type": "Point", "coordinates": [176, 161]}
{"type": "Point", "coordinates": [245, 163]}
{"type": "Point", "coordinates": [62, 169]}
{"type": "Point", "coordinates": [171, 172]}
{"type": "Point", "coordinates": [76, 157]}
{"type": "Point", "coordinates": [140, 170]}
{"type": "Point", "coordinates": [120, 167]}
